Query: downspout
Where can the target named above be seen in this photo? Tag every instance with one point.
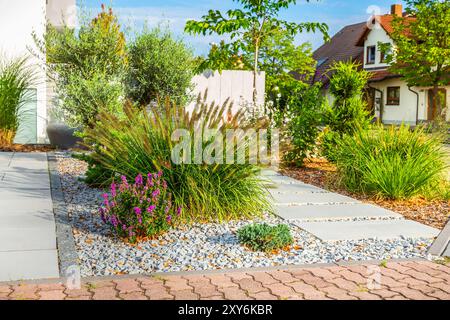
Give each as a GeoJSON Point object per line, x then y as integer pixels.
{"type": "Point", "coordinates": [417, 104]}
{"type": "Point", "coordinates": [381, 101]}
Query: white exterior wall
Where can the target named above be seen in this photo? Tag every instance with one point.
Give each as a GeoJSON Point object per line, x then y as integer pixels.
{"type": "Point", "coordinates": [406, 111]}
{"type": "Point", "coordinates": [18, 19]}
{"type": "Point", "coordinates": [375, 36]}
{"type": "Point", "coordinates": [234, 85]}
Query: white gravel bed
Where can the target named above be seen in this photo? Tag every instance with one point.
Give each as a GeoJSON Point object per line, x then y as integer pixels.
{"type": "Point", "coordinates": [199, 246]}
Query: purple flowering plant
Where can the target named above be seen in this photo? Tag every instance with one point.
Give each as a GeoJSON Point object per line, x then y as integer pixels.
{"type": "Point", "coordinates": [139, 210]}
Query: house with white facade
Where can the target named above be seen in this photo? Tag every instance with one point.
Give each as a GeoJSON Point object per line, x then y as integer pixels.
{"type": "Point", "coordinates": [389, 97]}
{"type": "Point", "coordinates": [19, 19]}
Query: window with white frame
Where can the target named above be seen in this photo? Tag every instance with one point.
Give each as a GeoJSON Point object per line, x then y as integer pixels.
{"type": "Point", "coordinates": [370, 55]}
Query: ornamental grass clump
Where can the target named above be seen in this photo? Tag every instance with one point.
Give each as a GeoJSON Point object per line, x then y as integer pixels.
{"type": "Point", "coordinates": [264, 237]}
{"type": "Point", "coordinates": [394, 163]}
{"type": "Point", "coordinates": [143, 141]}
{"type": "Point", "coordinates": [16, 77]}
{"type": "Point", "coordinates": [143, 209]}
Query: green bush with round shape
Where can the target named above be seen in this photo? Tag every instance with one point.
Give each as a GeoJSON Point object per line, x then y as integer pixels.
{"type": "Point", "coordinates": [264, 237]}
{"type": "Point", "coordinates": [160, 66]}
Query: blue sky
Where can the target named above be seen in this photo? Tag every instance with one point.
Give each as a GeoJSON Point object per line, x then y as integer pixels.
{"type": "Point", "coordinates": [336, 13]}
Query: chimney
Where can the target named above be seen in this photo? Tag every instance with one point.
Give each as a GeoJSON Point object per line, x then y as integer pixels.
{"type": "Point", "coordinates": [397, 10]}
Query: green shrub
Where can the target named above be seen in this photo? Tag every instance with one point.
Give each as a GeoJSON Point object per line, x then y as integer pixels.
{"type": "Point", "coordinates": [142, 143]}
{"type": "Point", "coordinates": [160, 66]}
{"type": "Point", "coordinates": [16, 76]}
{"type": "Point", "coordinates": [264, 237]}
{"type": "Point", "coordinates": [88, 67]}
{"type": "Point", "coordinates": [394, 163]}
{"type": "Point", "coordinates": [349, 110]}
{"type": "Point", "coordinates": [140, 209]}
{"type": "Point", "coordinates": [304, 115]}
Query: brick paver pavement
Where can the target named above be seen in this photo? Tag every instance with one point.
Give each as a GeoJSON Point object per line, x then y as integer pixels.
{"type": "Point", "coordinates": [395, 280]}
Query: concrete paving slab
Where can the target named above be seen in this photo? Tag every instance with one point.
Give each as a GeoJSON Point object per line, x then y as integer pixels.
{"type": "Point", "coordinates": [25, 200]}
{"type": "Point", "coordinates": [28, 265]}
{"type": "Point", "coordinates": [358, 230]}
{"type": "Point", "coordinates": [270, 173]}
{"type": "Point", "coordinates": [311, 198]}
{"type": "Point", "coordinates": [294, 188]}
{"type": "Point", "coordinates": [20, 165]}
{"type": "Point", "coordinates": [5, 156]}
{"type": "Point", "coordinates": [341, 211]}
{"type": "Point", "coordinates": [32, 219]}
{"type": "Point", "coordinates": [5, 159]}
{"type": "Point", "coordinates": [24, 239]}
{"type": "Point", "coordinates": [30, 156]}
{"type": "Point", "coordinates": [36, 180]}
{"type": "Point", "coordinates": [27, 224]}
{"type": "Point", "coordinates": [447, 252]}
{"type": "Point", "coordinates": [442, 242]}
{"type": "Point", "coordinates": [283, 180]}
{"type": "Point", "coordinates": [26, 162]}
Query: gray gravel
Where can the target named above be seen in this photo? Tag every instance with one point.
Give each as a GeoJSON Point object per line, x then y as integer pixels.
{"type": "Point", "coordinates": [199, 246]}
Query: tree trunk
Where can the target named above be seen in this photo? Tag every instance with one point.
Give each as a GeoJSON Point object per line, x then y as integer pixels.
{"type": "Point", "coordinates": [255, 73]}
{"type": "Point", "coordinates": [436, 102]}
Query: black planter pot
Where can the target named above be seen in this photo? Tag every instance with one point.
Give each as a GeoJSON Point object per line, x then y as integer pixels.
{"type": "Point", "coordinates": [62, 136]}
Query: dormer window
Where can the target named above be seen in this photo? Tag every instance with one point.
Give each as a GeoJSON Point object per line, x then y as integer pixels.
{"type": "Point", "coordinates": [371, 50]}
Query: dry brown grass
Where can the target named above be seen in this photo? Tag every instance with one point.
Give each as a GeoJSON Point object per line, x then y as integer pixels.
{"type": "Point", "coordinates": [7, 144]}
{"type": "Point", "coordinates": [6, 137]}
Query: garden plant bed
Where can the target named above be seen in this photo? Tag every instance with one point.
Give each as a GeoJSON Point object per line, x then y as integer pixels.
{"type": "Point", "coordinates": [199, 246]}
{"type": "Point", "coordinates": [321, 173]}
{"type": "Point", "coordinates": [26, 148]}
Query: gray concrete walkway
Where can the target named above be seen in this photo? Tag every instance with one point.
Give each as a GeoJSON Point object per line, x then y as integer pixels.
{"type": "Point", "coordinates": [334, 217]}
{"type": "Point", "coordinates": [27, 224]}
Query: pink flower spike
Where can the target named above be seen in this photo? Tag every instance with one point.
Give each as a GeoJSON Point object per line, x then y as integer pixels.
{"type": "Point", "coordinates": [113, 189]}
{"type": "Point", "coordinates": [156, 193]}
{"type": "Point", "coordinates": [139, 179]}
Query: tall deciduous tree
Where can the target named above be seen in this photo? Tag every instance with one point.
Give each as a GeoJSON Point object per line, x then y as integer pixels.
{"type": "Point", "coordinates": [249, 22]}
{"type": "Point", "coordinates": [422, 46]}
{"type": "Point", "coordinates": [279, 58]}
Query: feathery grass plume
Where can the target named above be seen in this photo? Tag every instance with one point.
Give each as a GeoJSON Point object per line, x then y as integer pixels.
{"type": "Point", "coordinates": [142, 142]}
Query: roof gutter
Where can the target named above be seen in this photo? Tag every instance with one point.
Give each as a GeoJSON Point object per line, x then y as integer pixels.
{"type": "Point", "coordinates": [381, 101]}
{"type": "Point", "coordinates": [417, 104]}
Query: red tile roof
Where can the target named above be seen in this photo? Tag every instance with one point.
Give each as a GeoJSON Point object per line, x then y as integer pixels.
{"type": "Point", "coordinates": [346, 45]}
{"type": "Point", "coordinates": [380, 75]}
{"type": "Point", "coordinates": [341, 47]}
{"type": "Point", "coordinates": [386, 23]}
